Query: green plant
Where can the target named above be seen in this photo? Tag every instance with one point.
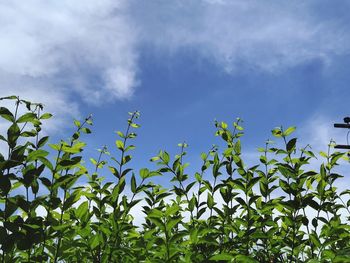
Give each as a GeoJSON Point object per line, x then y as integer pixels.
{"type": "Point", "coordinates": [54, 208]}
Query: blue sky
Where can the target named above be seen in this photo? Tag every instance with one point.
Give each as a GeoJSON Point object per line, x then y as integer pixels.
{"type": "Point", "coordinates": [183, 64]}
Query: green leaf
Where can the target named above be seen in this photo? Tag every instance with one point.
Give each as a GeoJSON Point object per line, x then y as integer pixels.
{"type": "Point", "coordinates": [5, 184]}
{"type": "Point", "coordinates": [85, 130]}
{"type": "Point", "coordinates": [13, 97]}
{"type": "Point", "coordinates": [144, 172]}
{"type": "Point", "coordinates": [245, 259]}
{"type": "Point", "coordinates": [172, 210]}
{"type": "Point", "coordinates": [82, 210]}
{"type": "Point", "coordinates": [277, 132]}
{"type": "Point", "coordinates": [12, 135]}
{"type": "Point", "coordinates": [133, 184]}
{"type": "Point", "coordinates": [35, 155]}
{"type": "Point", "coordinates": [165, 157]}
{"type": "Point", "coordinates": [43, 141]}
{"type": "Point", "coordinates": [237, 147]}
{"type": "Point", "coordinates": [70, 162]}
{"type": "Point", "coordinates": [314, 239]}
{"type": "Point", "coordinates": [121, 135]}
{"type": "Point", "coordinates": [45, 116]}
{"type": "Point", "coordinates": [291, 144]}
{"type": "Point", "coordinates": [210, 201]}
{"type": "Point", "coordinates": [77, 123]}
{"type": "Point", "coordinates": [335, 157]}
{"type": "Point", "coordinates": [120, 145]}
{"type": "Point", "coordinates": [241, 201]}
{"type": "Point", "coordinates": [93, 161]}
{"type": "Point", "coordinates": [341, 259]}
{"type": "Point", "coordinates": [6, 114]}
{"type": "Point", "coordinates": [28, 117]}
{"type": "Point", "coordinates": [221, 256]}
{"type": "Point", "coordinates": [156, 213]}
{"type": "Point", "coordinates": [154, 159]}
{"type": "Point", "coordinates": [289, 131]}
{"type": "Point", "coordinates": [56, 147]}
{"type": "Point", "coordinates": [76, 148]}
{"type": "Point", "coordinates": [172, 223]}
{"type": "Point", "coordinates": [94, 241]}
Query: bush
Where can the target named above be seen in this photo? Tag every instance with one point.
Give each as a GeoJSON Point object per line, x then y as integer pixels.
{"type": "Point", "coordinates": [280, 210]}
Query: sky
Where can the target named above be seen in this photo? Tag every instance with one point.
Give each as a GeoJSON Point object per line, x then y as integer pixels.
{"type": "Point", "coordinates": [183, 64]}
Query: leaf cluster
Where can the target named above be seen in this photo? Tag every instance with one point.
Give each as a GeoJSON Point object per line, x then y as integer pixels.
{"type": "Point", "coordinates": [56, 208]}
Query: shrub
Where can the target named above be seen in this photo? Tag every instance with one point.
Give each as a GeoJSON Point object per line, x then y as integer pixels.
{"type": "Point", "coordinates": [55, 208]}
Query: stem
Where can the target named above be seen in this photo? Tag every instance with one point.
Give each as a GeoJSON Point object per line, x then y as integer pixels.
{"type": "Point", "coordinates": [126, 135]}
{"type": "Point", "coordinates": [65, 191]}
{"type": "Point", "coordinates": [10, 150]}
{"type": "Point", "coordinates": [61, 220]}
{"type": "Point", "coordinates": [51, 195]}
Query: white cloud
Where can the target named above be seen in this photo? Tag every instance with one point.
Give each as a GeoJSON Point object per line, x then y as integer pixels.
{"type": "Point", "coordinates": [51, 51]}
{"type": "Point", "coordinates": [263, 35]}
{"type": "Point", "coordinates": [318, 130]}
{"type": "Point", "coordinates": [54, 50]}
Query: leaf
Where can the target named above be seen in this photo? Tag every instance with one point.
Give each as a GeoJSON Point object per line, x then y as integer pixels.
{"type": "Point", "coordinates": [252, 182]}
{"type": "Point", "coordinates": [76, 148]}
{"type": "Point", "coordinates": [121, 135]}
{"type": "Point", "coordinates": [245, 259]}
{"type": "Point", "coordinates": [314, 239]}
{"type": "Point", "coordinates": [120, 145]}
{"type": "Point", "coordinates": [94, 241]}
{"type": "Point", "coordinates": [82, 210]}
{"type": "Point", "coordinates": [93, 161]}
{"type": "Point", "coordinates": [43, 141]}
{"type": "Point", "coordinates": [13, 97]}
{"type": "Point", "coordinates": [5, 184]}
{"type": "Point", "coordinates": [165, 157]}
{"type": "Point", "coordinates": [237, 147]}
{"type": "Point", "coordinates": [291, 144]}
{"type": "Point", "coordinates": [126, 159]}
{"type": "Point", "coordinates": [155, 213]}
{"type": "Point", "coordinates": [35, 155]}
{"type": "Point", "coordinates": [154, 159]}
{"type": "Point", "coordinates": [277, 132]}
{"type": "Point", "coordinates": [172, 223]}
{"type": "Point", "coordinates": [335, 157]}
{"type": "Point", "coordinates": [77, 123]}
{"type": "Point", "coordinates": [210, 201]}
{"type": "Point", "coordinates": [12, 135]}
{"type": "Point", "coordinates": [172, 210]}
{"type": "Point", "coordinates": [144, 172]}
{"type": "Point", "coordinates": [189, 186]}
{"type": "Point", "coordinates": [241, 201]}
{"type": "Point", "coordinates": [133, 184]}
{"type": "Point", "coordinates": [221, 256]}
{"type": "Point", "coordinates": [45, 116]}
{"type": "Point", "coordinates": [289, 131]}
{"type": "Point", "coordinates": [85, 130]}
{"type": "Point", "coordinates": [28, 117]}
{"type": "Point", "coordinates": [198, 177]}
{"type": "Point", "coordinates": [45, 181]}
{"type": "Point", "coordinates": [6, 114]}
{"type": "Point", "coordinates": [70, 162]}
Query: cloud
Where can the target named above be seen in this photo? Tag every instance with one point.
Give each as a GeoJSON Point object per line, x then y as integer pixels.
{"type": "Point", "coordinates": [318, 130]}
{"type": "Point", "coordinates": [51, 51]}
{"type": "Point", "coordinates": [59, 50]}
{"type": "Point", "coordinates": [262, 35]}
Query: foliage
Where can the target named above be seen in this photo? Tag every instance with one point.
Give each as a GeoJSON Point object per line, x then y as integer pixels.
{"type": "Point", "coordinates": [277, 211]}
